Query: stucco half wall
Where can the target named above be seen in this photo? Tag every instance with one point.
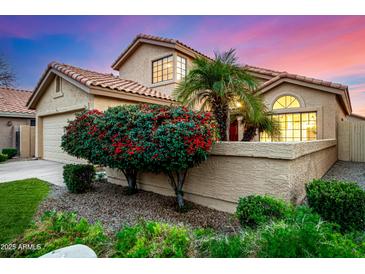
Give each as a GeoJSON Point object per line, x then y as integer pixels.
{"type": "Point", "coordinates": [237, 169]}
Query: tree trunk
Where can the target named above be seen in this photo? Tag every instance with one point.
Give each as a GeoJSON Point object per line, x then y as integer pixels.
{"type": "Point", "coordinates": [228, 125]}
{"type": "Point", "coordinates": [131, 176]}
{"type": "Point", "coordinates": [249, 133]}
{"type": "Point", "coordinates": [221, 116]}
{"type": "Point", "coordinates": [177, 180]}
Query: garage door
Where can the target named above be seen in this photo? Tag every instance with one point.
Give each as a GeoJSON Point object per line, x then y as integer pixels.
{"type": "Point", "coordinates": [53, 129]}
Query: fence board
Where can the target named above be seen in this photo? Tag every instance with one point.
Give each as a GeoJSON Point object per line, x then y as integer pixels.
{"type": "Point", "coordinates": [351, 139]}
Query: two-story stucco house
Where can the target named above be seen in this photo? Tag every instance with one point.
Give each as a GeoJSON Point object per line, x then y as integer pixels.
{"type": "Point", "coordinates": [149, 70]}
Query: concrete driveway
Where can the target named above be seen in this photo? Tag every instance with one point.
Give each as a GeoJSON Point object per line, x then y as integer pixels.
{"type": "Point", "coordinates": [45, 170]}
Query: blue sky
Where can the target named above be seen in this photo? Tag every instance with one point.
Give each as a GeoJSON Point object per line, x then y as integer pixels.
{"type": "Point", "coordinates": [325, 47]}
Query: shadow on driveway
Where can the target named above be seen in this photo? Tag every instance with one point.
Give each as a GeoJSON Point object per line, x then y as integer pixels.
{"type": "Point", "coordinates": [45, 170]}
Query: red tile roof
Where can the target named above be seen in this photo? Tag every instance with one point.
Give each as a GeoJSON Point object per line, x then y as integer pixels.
{"type": "Point", "coordinates": [109, 81]}
{"type": "Point", "coordinates": [14, 101]}
{"type": "Point", "coordinates": [303, 79]}
{"type": "Point", "coordinates": [157, 39]}
{"type": "Point", "coordinates": [265, 71]}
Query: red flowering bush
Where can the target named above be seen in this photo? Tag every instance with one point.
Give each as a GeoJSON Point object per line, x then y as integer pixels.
{"type": "Point", "coordinates": [139, 138]}
{"type": "Point", "coordinates": [81, 134]}
{"type": "Point", "coordinates": [127, 136]}
{"type": "Point", "coordinates": [181, 139]}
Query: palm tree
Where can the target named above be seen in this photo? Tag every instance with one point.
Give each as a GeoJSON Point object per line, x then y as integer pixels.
{"type": "Point", "coordinates": [215, 84]}
{"type": "Point", "coordinates": [255, 119]}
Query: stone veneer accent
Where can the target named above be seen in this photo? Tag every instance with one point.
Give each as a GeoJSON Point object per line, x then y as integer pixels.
{"type": "Point", "coordinates": [236, 169]}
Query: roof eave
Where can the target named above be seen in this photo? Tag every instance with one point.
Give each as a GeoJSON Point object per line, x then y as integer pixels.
{"type": "Point", "coordinates": [137, 42]}
{"type": "Point", "coordinates": [17, 114]}
{"type": "Point", "coordinates": [129, 96]}
{"type": "Point", "coordinates": [44, 82]}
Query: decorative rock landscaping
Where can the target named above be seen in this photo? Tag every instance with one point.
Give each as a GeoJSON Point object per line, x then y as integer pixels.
{"type": "Point", "coordinates": [110, 205]}
{"type": "Point", "coordinates": [348, 171]}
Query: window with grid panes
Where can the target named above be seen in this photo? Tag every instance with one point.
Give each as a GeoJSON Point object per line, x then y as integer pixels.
{"type": "Point", "coordinates": [293, 127]}
{"type": "Point", "coordinates": [180, 67]}
{"type": "Point", "coordinates": [162, 69]}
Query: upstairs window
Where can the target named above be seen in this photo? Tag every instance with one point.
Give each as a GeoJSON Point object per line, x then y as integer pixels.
{"type": "Point", "coordinates": [286, 102]}
{"type": "Point", "coordinates": [162, 69]}
{"type": "Point", "coordinates": [180, 68]}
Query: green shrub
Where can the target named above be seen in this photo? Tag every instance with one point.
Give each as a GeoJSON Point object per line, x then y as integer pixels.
{"type": "Point", "coordinates": [339, 202]}
{"type": "Point", "coordinates": [301, 234]}
{"type": "Point", "coordinates": [57, 230]}
{"type": "Point", "coordinates": [256, 210]}
{"type": "Point", "coordinates": [153, 240]}
{"type": "Point", "coordinates": [305, 236]}
{"type": "Point", "coordinates": [3, 157]}
{"type": "Point", "coordinates": [78, 178]}
{"type": "Point", "coordinates": [10, 152]}
{"type": "Point", "coordinates": [222, 246]}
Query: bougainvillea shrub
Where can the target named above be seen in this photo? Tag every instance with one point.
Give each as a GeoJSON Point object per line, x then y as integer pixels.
{"type": "Point", "coordinates": [137, 138]}
{"type": "Point", "coordinates": [81, 138]}
{"type": "Point", "coordinates": [181, 139]}
{"type": "Point", "coordinates": [127, 137]}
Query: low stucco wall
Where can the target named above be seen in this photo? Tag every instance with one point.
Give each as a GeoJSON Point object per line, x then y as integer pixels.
{"type": "Point", "coordinates": [237, 169]}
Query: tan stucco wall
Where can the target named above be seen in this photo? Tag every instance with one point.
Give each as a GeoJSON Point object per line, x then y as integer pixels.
{"type": "Point", "coordinates": [103, 103]}
{"type": "Point", "coordinates": [7, 133]}
{"type": "Point", "coordinates": [138, 67]}
{"type": "Point", "coordinates": [325, 104]}
{"type": "Point", "coordinates": [237, 169]}
{"type": "Point", "coordinates": [71, 99]}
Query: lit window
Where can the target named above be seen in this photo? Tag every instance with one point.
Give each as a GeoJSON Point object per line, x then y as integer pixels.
{"type": "Point", "coordinates": [293, 127]}
{"type": "Point", "coordinates": [286, 102]}
{"type": "Point", "coordinates": [58, 84]}
{"type": "Point", "coordinates": [162, 69]}
{"type": "Point", "coordinates": [181, 68]}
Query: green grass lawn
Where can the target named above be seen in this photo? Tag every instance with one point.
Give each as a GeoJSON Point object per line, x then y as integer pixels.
{"type": "Point", "coordinates": [18, 203]}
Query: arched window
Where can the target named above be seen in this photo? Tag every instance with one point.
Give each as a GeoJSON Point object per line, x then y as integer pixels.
{"type": "Point", "coordinates": [293, 125]}
{"type": "Point", "coordinates": [286, 101]}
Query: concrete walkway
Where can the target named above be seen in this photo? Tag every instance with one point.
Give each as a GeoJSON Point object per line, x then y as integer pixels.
{"type": "Point", "coordinates": [45, 170]}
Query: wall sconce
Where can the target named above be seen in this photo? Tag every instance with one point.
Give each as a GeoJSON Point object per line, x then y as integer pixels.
{"type": "Point", "coordinates": [10, 123]}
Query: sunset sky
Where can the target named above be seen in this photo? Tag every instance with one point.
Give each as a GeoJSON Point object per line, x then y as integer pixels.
{"type": "Point", "coordinates": [326, 47]}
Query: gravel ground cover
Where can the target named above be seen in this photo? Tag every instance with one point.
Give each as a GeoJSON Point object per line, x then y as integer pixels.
{"type": "Point", "coordinates": [349, 171]}
{"type": "Point", "coordinates": [111, 205]}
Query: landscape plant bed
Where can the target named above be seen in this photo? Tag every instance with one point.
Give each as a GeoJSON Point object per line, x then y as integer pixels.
{"type": "Point", "coordinates": [111, 205]}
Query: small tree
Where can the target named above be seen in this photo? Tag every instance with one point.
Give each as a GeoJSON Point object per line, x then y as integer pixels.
{"type": "Point", "coordinates": [181, 139]}
{"type": "Point", "coordinates": [81, 138]}
{"type": "Point", "coordinates": [126, 141]}
{"type": "Point", "coordinates": [7, 76]}
{"type": "Point", "coordinates": [112, 139]}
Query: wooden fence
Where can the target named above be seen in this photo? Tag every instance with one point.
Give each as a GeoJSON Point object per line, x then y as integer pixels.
{"type": "Point", "coordinates": [351, 141]}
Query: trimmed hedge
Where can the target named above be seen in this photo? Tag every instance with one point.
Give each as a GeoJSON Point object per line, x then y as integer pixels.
{"type": "Point", "coordinates": [255, 210]}
{"type": "Point", "coordinates": [10, 152]}
{"type": "Point", "coordinates": [3, 157]}
{"type": "Point", "coordinates": [339, 202]}
{"type": "Point", "coordinates": [78, 177]}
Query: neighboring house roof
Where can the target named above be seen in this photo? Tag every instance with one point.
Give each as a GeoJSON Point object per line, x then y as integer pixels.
{"type": "Point", "coordinates": [93, 79]}
{"type": "Point", "coordinates": [13, 102]}
{"type": "Point", "coordinates": [155, 40]}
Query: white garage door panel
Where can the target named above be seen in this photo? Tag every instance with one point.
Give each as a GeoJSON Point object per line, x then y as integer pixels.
{"type": "Point", "coordinates": [53, 129]}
